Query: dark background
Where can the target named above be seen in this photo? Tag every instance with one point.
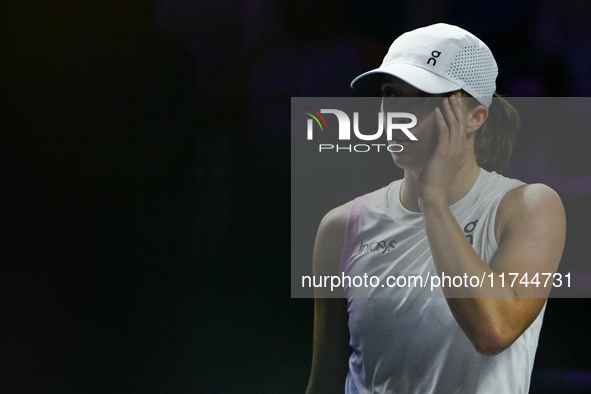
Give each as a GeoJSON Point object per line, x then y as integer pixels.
{"type": "Point", "coordinates": [144, 181]}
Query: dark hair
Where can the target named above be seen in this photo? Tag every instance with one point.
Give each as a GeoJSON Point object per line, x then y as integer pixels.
{"type": "Point", "coordinates": [495, 140]}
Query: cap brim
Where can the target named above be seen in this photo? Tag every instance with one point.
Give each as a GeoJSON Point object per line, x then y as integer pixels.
{"type": "Point", "coordinates": [415, 76]}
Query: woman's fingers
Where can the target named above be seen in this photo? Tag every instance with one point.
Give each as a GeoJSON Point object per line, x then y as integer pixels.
{"type": "Point", "coordinates": [450, 114]}
{"type": "Point", "coordinates": [443, 129]}
{"type": "Point", "coordinates": [456, 122]}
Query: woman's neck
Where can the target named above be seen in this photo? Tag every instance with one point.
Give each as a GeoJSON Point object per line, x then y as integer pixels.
{"type": "Point", "coordinates": [458, 188]}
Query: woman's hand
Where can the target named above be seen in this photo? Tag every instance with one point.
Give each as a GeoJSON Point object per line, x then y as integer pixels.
{"type": "Point", "coordinates": [449, 155]}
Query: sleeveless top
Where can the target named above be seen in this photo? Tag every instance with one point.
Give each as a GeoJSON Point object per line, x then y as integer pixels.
{"type": "Point", "coordinates": [405, 338]}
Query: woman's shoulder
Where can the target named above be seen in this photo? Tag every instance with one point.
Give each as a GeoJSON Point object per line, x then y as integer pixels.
{"type": "Point", "coordinates": [527, 204]}
{"type": "Point", "coordinates": [337, 217]}
{"type": "Point", "coordinates": [531, 197]}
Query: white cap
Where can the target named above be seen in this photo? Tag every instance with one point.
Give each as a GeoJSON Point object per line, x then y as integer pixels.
{"type": "Point", "coordinates": [438, 59]}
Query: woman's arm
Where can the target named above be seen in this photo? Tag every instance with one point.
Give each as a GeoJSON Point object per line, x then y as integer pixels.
{"type": "Point", "coordinates": [531, 228]}
{"type": "Point", "coordinates": [331, 330]}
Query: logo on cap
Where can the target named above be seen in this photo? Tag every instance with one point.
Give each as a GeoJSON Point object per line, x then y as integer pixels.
{"type": "Point", "coordinates": [434, 54]}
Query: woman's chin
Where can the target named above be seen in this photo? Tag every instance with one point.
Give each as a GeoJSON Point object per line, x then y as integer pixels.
{"type": "Point", "coordinates": [407, 162]}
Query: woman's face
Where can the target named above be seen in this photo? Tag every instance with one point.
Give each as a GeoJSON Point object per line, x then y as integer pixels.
{"type": "Point", "coordinates": [399, 96]}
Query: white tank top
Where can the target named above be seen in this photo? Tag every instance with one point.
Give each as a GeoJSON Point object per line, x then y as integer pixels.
{"type": "Point", "coordinates": [406, 344]}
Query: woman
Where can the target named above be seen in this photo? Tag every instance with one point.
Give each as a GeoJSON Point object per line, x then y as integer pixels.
{"type": "Point", "coordinates": [448, 217]}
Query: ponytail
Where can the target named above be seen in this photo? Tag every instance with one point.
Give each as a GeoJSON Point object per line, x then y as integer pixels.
{"type": "Point", "coordinates": [495, 140]}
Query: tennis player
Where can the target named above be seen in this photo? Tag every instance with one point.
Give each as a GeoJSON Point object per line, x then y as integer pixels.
{"type": "Point", "coordinates": [451, 216]}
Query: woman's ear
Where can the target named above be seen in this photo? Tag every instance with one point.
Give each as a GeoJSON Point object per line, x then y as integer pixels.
{"type": "Point", "coordinates": [476, 118]}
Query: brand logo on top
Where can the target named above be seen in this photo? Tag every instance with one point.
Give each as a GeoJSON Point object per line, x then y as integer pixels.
{"type": "Point", "coordinates": [344, 131]}
{"type": "Point", "coordinates": [377, 246]}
